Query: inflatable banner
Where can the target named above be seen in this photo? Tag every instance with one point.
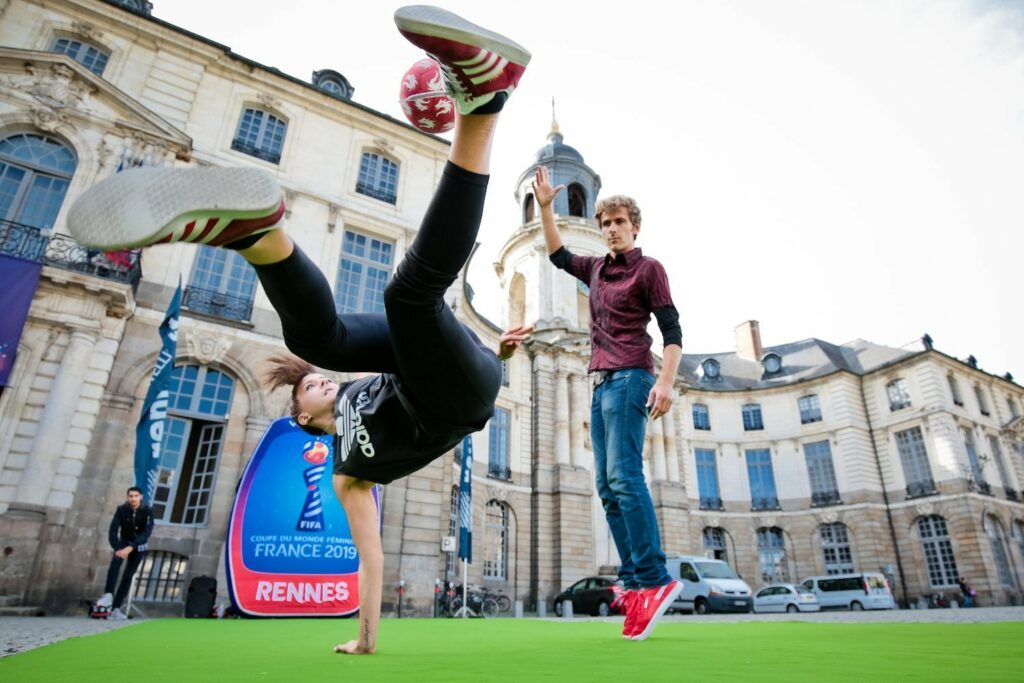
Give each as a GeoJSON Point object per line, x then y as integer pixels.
{"type": "Point", "coordinates": [290, 551]}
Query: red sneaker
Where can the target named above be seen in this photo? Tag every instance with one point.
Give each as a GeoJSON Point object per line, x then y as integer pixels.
{"type": "Point", "coordinates": [477, 64]}
{"type": "Point", "coordinates": [650, 604]}
{"type": "Point", "coordinates": [627, 604]}
{"type": "Point", "coordinates": [144, 206]}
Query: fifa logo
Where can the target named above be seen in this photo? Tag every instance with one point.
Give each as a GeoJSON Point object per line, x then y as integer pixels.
{"type": "Point", "coordinates": [312, 517]}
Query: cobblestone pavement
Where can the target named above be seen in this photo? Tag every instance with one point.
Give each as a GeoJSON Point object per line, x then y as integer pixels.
{"type": "Point", "coordinates": [18, 634]}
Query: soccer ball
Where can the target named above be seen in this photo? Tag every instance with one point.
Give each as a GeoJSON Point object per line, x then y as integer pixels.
{"type": "Point", "coordinates": [424, 101]}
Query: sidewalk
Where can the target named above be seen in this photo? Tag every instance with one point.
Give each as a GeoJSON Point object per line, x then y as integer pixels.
{"type": "Point", "coordinates": [18, 634]}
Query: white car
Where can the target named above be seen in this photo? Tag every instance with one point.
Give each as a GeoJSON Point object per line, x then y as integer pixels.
{"type": "Point", "coordinates": [785, 597]}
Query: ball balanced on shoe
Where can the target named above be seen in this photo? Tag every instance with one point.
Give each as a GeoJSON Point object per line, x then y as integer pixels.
{"type": "Point", "coordinates": [424, 100]}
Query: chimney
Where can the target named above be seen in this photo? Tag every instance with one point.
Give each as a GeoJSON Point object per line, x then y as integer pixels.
{"type": "Point", "coordinates": [748, 341]}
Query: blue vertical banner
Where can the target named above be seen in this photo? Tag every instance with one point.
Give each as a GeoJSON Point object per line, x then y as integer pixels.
{"type": "Point", "coordinates": [18, 281]}
{"type": "Point", "coordinates": [466, 501]}
{"type": "Point", "coordinates": [149, 433]}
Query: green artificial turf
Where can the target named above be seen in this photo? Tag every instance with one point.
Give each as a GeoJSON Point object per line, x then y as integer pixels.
{"type": "Point", "coordinates": [478, 650]}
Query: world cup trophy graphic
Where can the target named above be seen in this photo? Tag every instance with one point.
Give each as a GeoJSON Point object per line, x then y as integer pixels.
{"type": "Point", "coordinates": [312, 517]}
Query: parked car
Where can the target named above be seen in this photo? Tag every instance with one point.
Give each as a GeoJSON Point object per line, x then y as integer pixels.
{"type": "Point", "coordinates": [594, 595]}
{"type": "Point", "coordinates": [855, 591]}
{"type": "Point", "coordinates": [708, 585]}
{"type": "Point", "coordinates": [785, 597]}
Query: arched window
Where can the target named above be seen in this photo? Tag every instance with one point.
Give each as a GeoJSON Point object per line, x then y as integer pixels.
{"type": "Point", "coordinates": [529, 208]}
{"type": "Point", "coordinates": [197, 412]}
{"type": "Point", "coordinates": [714, 543]}
{"type": "Point", "coordinates": [938, 551]}
{"type": "Point", "coordinates": [222, 284]}
{"type": "Point", "coordinates": [378, 177]}
{"type": "Point", "coordinates": [771, 549]}
{"type": "Point", "coordinates": [496, 530]}
{"type": "Point", "coordinates": [35, 171]}
{"type": "Point", "coordinates": [577, 200]}
{"type": "Point", "coordinates": [161, 577]}
{"type": "Point", "coordinates": [260, 134]}
{"type": "Point", "coordinates": [517, 301]}
{"type": "Point", "coordinates": [92, 57]}
{"type": "Point", "coordinates": [997, 539]}
{"type": "Point", "coordinates": [835, 545]}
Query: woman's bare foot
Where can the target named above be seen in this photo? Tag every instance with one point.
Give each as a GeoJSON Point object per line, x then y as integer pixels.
{"type": "Point", "coordinates": [353, 647]}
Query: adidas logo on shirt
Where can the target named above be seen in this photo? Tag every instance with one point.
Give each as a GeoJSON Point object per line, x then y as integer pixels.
{"type": "Point", "coordinates": [350, 427]}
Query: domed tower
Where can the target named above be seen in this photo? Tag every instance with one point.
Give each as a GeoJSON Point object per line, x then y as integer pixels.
{"type": "Point", "coordinates": [536, 292]}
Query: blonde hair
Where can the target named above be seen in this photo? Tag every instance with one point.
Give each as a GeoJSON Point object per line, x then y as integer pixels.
{"type": "Point", "coordinates": [617, 201]}
{"type": "Point", "coordinates": [288, 371]}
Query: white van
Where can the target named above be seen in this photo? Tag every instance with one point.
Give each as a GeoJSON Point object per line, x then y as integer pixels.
{"type": "Point", "coordinates": [708, 585]}
{"type": "Point", "coordinates": [858, 591]}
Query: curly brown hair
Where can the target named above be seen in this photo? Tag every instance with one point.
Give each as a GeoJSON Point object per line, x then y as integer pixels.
{"type": "Point", "coordinates": [288, 371]}
{"type": "Point", "coordinates": [616, 201]}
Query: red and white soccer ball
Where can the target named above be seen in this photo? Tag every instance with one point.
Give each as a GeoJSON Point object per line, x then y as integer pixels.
{"type": "Point", "coordinates": [424, 100]}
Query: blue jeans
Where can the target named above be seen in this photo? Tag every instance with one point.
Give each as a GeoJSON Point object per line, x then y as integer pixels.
{"type": "Point", "coordinates": [618, 418]}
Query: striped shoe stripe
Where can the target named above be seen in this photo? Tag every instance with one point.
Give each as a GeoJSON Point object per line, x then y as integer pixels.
{"type": "Point", "coordinates": [483, 66]}
{"type": "Point", "coordinates": [490, 75]}
{"type": "Point", "coordinates": [480, 56]}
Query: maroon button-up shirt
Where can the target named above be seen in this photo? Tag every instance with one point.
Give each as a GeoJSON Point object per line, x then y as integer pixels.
{"type": "Point", "coordinates": [624, 291]}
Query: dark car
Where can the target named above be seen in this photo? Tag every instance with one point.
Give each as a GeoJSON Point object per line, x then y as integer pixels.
{"type": "Point", "coordinates": [594, 595]}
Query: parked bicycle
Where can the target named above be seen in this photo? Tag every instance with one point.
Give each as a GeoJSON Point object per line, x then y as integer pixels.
{"type": "Point", "coordinates": [478, 601]}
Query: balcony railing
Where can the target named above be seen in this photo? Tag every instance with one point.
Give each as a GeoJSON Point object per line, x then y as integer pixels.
{"type": "Point", "coordinates": [822, 498]}
{"type": "Point", "coordinates": [1012, 494]}
{"type": "Point", "coordinates": [273, 156]}
{"type": "Point", "coordinates": [30, 243]}
{"type": "Point", "coordinates": [217, 304]}
{"type": "Point", "coordinates": [711, 503]}
{"type": "Point", "coordinates": [496, 471]}
{"type": "Point", "coordinates": [764, 503]}
{"type": "Point", "coordinates": [371, 191]}
{"type": "Point", "coordinates": [917, 489]}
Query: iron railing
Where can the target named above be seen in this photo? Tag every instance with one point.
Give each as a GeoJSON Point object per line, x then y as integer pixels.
{"type": "Point", "coordinates": [273, 156]}
{"type": "Point", "coordinates": [32, 244]}
{"type": "Point", "coordinates": [917, 489]}
{"type": "Point", "coordinates": [371, 191]}
{"type": "Point", "coordinates": [822, 498]}
{"type": "Point", "coordinates": [217, 304]}
{"type": "Point", "coordinates": [765, 503]}
{"type": "Point", "coordinates": [711, 503]}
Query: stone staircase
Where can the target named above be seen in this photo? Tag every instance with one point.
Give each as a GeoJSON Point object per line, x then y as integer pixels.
{"type": "Point", "coordinates": [10, 606]}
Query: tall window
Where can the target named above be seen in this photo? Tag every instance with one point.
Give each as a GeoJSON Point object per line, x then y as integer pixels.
{"type": "Point", "coordinates": [979, 394]}
{"type": "Point", "coordinates": [899, 396]}
{"type": "Point", "coordinates": [363, 273]}
{"type": "Point", "coordinates": [810, 409]}
{"type": "Point", "coordinates": [762, 480]}
{"type": "Point", "coordinates": [222, 284]}
{"type": "Point", "coordinates": [714, 541]}
{"type": "Point", "coordinates": [162, 577]}
{"type": "Point", "coordinates": [997, 539]}
{"type": "Point", "coordinates": [453, 529]}
{"type": "Point", "coordinates": [977, 472]}
{"type": "Point", "coordinates": [954, 389]}
{"type": "Point", "coordinates": [496, 557]}
{"type": "Point", "coordinates": [752, 417]}
{"type": "Point", "coordinates": [835, 545]}
{"type": "Point", "coordinates": [914, 459]}
{"type": "Point", "coordinates": [1012, 405]}
{"type": "Point", "coordinates": [707, 479]}
{"type": "Point", "coordinates": [938, 552]}
{"type": "Point", "coordinates": [771, 549]}
{"type": "Point", "coordinates": [497, 442]}
{"type": "Point", "coordinates": [378, 177]}
{"type": "Point", "coordinates": [701, 419]}
{"type": "Point", "coordinates": [997, 456]}
{"type": "Point", "coordinates": [260, 134]}
{"type": "Point", "coordinates": [577, 200]}
{"type": "Point", "coordinates": [197, 414]}
{"type": "Point", "coordinates": [1018, 534]}
{"type": "Point", "coordinates": [822, 473]}
{"type": "Point", "coordinates": [90, 56]}
{"type": "Point", "coordinates": [35, 171]}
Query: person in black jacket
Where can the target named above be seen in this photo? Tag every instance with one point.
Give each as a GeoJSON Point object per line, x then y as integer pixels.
{"type": "Point", "coordinates": [129, 533]}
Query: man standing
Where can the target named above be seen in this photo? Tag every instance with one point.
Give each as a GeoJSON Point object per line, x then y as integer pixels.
{"type": "Point", "coordinates": [129, 533]}
{"type": "Point", "coordinates": [626, 287]}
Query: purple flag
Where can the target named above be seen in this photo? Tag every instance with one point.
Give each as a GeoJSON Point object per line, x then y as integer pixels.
{"type": "Point", "coordinates": [18, 281]}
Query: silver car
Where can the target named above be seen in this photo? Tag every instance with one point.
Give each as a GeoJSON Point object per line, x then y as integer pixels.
{"type": "Point", "coordinates": [785, 597]}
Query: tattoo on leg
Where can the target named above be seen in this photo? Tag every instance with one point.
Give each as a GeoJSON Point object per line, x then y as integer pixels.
{"type": "Point", "coordinates": [365, 633]}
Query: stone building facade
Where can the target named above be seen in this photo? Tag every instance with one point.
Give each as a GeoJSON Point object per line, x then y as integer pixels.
{"type": "Point", "coordinates": [91, 87]}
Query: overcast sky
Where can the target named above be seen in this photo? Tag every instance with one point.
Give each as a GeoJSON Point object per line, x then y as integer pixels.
{"type": "Point", "coordinates": [837, 170]}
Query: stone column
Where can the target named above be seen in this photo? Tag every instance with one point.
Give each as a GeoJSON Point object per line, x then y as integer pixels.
{"type": "Point", "coordinates": [562, 418]}
{"type": "Point", "coordinates": [671, 449]}
{"type": "Point", "coordinates": [577, 419]}
{"type": "Point", "coordinates": [658, 449]}
{"type": "Point", "coordinates": [55, 422]}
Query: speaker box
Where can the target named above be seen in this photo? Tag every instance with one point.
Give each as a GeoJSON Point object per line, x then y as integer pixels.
{"type": "Point", "coordinates": [202, 592]}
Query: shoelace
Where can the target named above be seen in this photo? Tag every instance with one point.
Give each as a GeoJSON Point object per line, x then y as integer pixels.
{"type": "Point", "coordinates": [452, 77]}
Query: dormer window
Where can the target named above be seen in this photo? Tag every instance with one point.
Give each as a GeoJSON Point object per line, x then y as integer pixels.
{"type": "Point", "coordinates": [772, 363]}
{"type": "Point", "coordinates": [711, 369]}
{"type": "Point", "coordinates": [333, 83]}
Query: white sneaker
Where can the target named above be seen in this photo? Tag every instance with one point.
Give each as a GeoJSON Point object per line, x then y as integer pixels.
{"type": "Point", "coordinates": [117, 615]}
{"type": "Point", "coordinates": [106, 601]}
